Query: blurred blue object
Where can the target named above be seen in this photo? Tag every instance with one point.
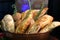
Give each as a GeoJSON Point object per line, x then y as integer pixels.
{"type": "Point", "coordinates": [22, 5]}
{"type": "Point", "coordinates": [25, 7]}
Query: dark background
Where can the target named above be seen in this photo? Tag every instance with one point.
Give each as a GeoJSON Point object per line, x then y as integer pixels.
{"type": "Point", "coordinates": [54, 10]}
{"type": "Point", "coordinates": [6, 7]}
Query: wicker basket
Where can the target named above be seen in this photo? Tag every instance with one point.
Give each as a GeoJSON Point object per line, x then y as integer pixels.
{"type": "Point", "coordinates": [38, 36]}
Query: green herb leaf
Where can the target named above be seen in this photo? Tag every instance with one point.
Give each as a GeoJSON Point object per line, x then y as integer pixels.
{"type": "Point", "coordinates": [15, 8]}
{"type": "Point", "coordinates": [29, 4]}
{"type": "Point", "coordinates": [42, 6]}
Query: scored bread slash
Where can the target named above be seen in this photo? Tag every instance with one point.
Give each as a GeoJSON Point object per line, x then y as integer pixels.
{"type": "Point", "coordinates": [17, 23]}
{"type": "Point", "coordinates": [32, 22]}
{"type": "Point", "coordinates": [34, 12]}
{"type": "Point", "coordinates": [43, 12]}
{"type": "Point", "coordinates": [40, 23]}
{"type": "Point", "coordinates": [50, 27]}
{"type": "Point", "coordinates": [24, 24]}
{"type": "Point", "coordinates": [24, 14]}
{"type": "Point", "coordinates": [44, 20]}
{"type": "Point", "coordinates": [33, 29]}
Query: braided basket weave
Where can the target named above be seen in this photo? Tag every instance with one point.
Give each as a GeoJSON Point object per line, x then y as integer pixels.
{"type": "Point", "coordinates": [37, 36]}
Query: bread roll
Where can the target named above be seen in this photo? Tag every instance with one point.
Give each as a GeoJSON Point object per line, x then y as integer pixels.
{"type": "Point", "coordinates": [17, 16]}
{"type": "Point", "coordinates": [8, 23]}
{"type": "Point", "coordinates": [18, 23]}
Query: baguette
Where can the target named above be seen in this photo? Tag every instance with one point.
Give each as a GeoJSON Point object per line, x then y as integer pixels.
{"type": "Point", "coordinates": [45, 20]}
{"type": "Point", "coordinates": [32, 22]}
{"type": "Point", "coordinates": [50, 27]}
{"type": "Point", "coordinates": [24, 24]}
{"type": "Point", "coordinates": [41, 13]}
{"type": "Point", "coordinates": [40, 23]}
{"type": "Point", "coordinates": [34, 12]}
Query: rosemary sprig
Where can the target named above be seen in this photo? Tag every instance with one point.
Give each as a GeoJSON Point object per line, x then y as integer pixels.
{"type": "Point", "coordinates": [42, 6]}
{"type": "Point", "coordinates": [29, 4]}
{"type": "Point", "coordinates": [15, 8]}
